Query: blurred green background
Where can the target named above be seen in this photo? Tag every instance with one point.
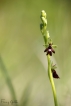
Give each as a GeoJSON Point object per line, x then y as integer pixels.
{"type": "Point", "coordinates": [23, 65]}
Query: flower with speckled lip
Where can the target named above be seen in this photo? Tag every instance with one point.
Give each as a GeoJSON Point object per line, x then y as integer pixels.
{"type": "Point", "coordinates": [54, 73]}
{"type": "Point", "coordinates": [49, 50]}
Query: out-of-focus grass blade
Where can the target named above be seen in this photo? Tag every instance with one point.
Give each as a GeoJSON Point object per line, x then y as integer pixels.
{"type": "Point", "coordinates": [25, 96]}
{"type": "Point", "coordinates": [8, 80]}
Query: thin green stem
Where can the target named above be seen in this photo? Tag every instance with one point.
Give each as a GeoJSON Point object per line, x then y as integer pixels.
{"type": "Point", "coordinates": [51, 80]}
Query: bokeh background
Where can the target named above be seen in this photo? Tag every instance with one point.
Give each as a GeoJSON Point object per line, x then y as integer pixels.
{"type": "Point", "coordinates": [23, 65]}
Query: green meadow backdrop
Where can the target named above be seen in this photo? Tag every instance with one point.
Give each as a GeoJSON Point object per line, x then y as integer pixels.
{"type": "Point", "coordinates": [23, 65]}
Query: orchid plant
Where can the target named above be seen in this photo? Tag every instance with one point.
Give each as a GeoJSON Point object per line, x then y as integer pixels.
{"type": "Point", "coordinates": [49, 49]}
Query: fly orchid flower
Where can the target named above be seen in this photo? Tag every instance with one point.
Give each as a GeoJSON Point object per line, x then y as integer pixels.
{"type": "Point", "coordinates": [49, 50]}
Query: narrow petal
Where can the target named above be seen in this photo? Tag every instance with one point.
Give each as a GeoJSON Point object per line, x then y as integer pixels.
{"type": "Point", "coordinates": [46, 50]}
{"type": "Point", "coordinates": [53, 50]}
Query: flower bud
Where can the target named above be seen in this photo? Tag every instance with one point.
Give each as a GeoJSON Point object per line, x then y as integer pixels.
{"type": "Point", "coordinates": [43, 14]}
{"type": "Point", "coordinates": [44, 20]}
{"type": "Point", "coordinates": [47, 34]}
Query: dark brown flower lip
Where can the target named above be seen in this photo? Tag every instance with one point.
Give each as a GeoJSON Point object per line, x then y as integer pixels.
{"type": "Point", "coordinates": [54, 74]}
{"type": "Point", "coordinates": [49, 50]}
